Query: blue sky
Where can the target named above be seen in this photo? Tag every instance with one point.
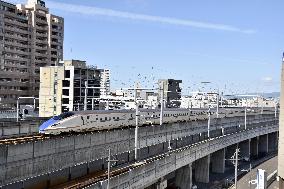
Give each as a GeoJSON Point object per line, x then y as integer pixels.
{"type": "Point", "coordinates": [237, 45]}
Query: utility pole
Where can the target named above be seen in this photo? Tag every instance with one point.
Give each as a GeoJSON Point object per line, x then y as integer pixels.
{"type": "Point", "coordinates": [221, 99]}
{"type": "Point", "coordinates": [246, 117]}
{"type": "Point", "coordinates": [136, 122]}
{"type": "Point", "coordinates": [275, 110]}
{"type": "Point", "coordinates": [208, 126]}
{"type": "Point", "coordinates": [262, 100]}
{"type": "Point", "coordinates": [234, 159]}
{"type": "Point", "coordinates": [236, 167]}
{"type": "Point", "coordinates": [108, 168]}
{"type": "Point", "coordinates": [85, 99]}
{"type": "Point", "coordinates": [137, 116]}
{"type": "Point", "coordinates": [162, 103]}
{"type": "Point", "coordinates": [217, 112]}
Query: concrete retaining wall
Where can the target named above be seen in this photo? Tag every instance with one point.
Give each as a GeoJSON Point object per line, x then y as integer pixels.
{"type": "Point", "coordinates": [9, 127]}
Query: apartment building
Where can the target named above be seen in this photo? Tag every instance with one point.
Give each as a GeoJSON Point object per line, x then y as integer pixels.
{"type": "Point", "coordinates": [172, 92]}
{"type": "Point", "coordinates": [105, 82]}
{"type": "Point", "coordinates": [30, 38]}
{"type": "Point", "coordinates": [63, 87]}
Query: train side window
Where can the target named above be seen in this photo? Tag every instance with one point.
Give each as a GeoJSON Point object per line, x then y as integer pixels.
{"type": "Point", "coordinates": [117, 117]}
{"type": "Point", "coordinates": [113, 118]}
{"type": "Point", "coordinates": [101, 119]}
{"type": "Point", "coordinates": [105, 118]}
{"type": "Point", "coordinates": [88, 117]}
{"type": "Point", "coordinates": [97, 119]}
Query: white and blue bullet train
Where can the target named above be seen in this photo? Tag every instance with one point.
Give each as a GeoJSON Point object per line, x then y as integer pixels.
{"type": "Point", "coordinates": [110, 119]}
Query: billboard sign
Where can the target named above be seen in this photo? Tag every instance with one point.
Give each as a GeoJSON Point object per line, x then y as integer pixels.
{"type": "Point", "coordinates": [261, 179]}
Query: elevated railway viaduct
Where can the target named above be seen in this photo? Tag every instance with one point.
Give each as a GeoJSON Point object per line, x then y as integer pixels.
{"type": "Point", "coordinates": [50, 162]}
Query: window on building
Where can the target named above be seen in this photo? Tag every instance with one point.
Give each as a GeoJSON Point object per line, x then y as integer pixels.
{"type": "Point", "coordinates": [65, 100]}
{"type": "Point", "coordinates": [66, 83]}
{"type": "Point", "coordinates": [67, 73]}
{"type": "Point", "coordinates": [65, 92]}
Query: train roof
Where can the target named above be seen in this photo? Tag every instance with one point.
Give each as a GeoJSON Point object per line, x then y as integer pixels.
{"type": "Point", "coordinates": [146, 110]}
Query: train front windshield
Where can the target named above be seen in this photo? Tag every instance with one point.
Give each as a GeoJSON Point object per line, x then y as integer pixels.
{"type": "Point", "coordinates": [63, 116]}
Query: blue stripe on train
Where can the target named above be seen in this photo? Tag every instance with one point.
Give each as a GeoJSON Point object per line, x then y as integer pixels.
{"type": "Point", "coordinates": [47, 124]}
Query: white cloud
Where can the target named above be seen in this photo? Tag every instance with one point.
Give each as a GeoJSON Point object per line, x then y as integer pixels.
{"type": "Point", "coordinates": [91, 10]}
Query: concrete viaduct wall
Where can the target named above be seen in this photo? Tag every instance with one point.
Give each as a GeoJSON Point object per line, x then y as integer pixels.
{"type": "Point", "coordinates": [36, 158]}
{"type": "Point", "coordinates": [152, 172]}
{"type": "Point", "coordinates": [9, 127]}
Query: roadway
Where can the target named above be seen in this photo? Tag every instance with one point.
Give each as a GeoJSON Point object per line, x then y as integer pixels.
{"type": "Point", "coordinates": [269, 166]}
{"type": "Point", "coordinates": [274, 185]}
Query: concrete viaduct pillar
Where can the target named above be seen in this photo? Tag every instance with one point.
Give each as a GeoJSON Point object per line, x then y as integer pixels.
{"type": "Point", "coordinates": [162, 184]}
{"type": "Point", "coordinates": [245, 151]}
{"type": "Point", "coordinates": [272, 142]}
{"type": "Point", "coordinates": [202, 168]}
{"type": "Point", "coordinates": [218, 161]}
{"type": "Point", "coordinates": [183, 178]}
{"type": "Point", "coordinates": [263, 145]}
{"type": "Point", "coordinates": [254, 147]}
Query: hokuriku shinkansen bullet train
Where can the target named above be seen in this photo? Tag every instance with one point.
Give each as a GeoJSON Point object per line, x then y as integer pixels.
{"type": "Point", "coordinates": [82, 121]}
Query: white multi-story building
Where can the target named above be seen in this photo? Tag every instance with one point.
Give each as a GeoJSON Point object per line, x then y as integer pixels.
{"type": "Point", "coordinates": [30, 38]}
{"type": "Point", "coordinates": [105, 82]}
{"type": "Point", "coordinates": [63, 88]}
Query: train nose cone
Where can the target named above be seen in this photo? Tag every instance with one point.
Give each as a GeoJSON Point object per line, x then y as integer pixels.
{"type": "Point", "coordinates": [46, 125]}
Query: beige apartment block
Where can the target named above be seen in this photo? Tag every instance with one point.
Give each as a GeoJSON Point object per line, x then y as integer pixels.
{"type": "Point", "coordinates": [63, 87]}
{"type": "Point", "coordinates": [30, 38]}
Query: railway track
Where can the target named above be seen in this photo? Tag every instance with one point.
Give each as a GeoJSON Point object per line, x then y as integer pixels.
{"type": "Point", "coordinates": [96, 177]}
{"type": "Point", "coordinates": [23, 139]}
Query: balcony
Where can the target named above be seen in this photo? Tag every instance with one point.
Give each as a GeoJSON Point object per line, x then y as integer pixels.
{"type": "Point", "coordinates": [14, 84]}
{"type": "Point", "coordinates": [15, 29]}
{"type": "Point", "coordinates": [54, 56]}
{"type": "Point", "coordinates": [45, 55]}
{"type": "Point", "coordinates": [42, 28]}
{"type": "Point", "coordinates": [15, 51]}
{"type": "Point", "coordinates": [38, 34]}
{"type": "Point", "coordinates": [41, 47]}
{"type": "Point", "coordinates": [42, 40]}
{"type": "Point", "coordinates": [17, 64]}
{"type": "Point", "coordinates": [16, 92]}
{"type": "Point", "coordinates": [15, 22]}
{"type": "Point", "coordinates": [15, 36]}
{"type": "Point", "coordinates": [16, 44]}
{"type": "Point", "coordinates": [41, 21]}
{"type": "Point", "coordinates": [10, 74]}
{"type": "Point", "coordinates": [41, 61]}
{"type": "Point", "coordinates": [16, 58]}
